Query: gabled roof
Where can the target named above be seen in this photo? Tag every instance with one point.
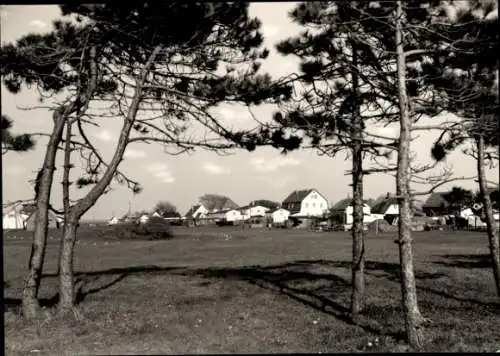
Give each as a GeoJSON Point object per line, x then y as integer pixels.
{"type": "Point", "coordinates": [252, 206]}
{"type": "Point", "coordinates": [382, 206]}
{"type": "Point", "coordinates": [191, 211]}
{"type": "Point", "coordinates": [436, 200]}
{"type": "Point", "coordinates": [344, 203]}
{"type": "Point", "coordinates": [298, 195]}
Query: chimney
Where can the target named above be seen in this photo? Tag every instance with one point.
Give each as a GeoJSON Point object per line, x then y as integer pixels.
{"type": "Point", "coordinates": [388, 195]}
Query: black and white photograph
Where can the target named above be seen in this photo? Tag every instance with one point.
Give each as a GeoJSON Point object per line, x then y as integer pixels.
{"type": "Point", "coordinates": [250, 177]}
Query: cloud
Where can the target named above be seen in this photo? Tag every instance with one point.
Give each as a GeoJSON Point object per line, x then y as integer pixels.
{"type": "Point", "coordinates": [270, 31]}
{"type": "Point", "coordinates": [39, 24]}
{"type": "Point", "coordinates": [131, 153]}
{"type": "Point", "coordinates": [213, 169]}
{"type": "Point", "coordinates": [277, 182]}
{"type": "Point", "coordinates": [161, 171]}
{"type": "Point", "coordinates": [165, 177]}
{"type": "Point", "coordinates": [105, 136]}
{"type": "Point", "coordinates": [271, 165]}
{"type": "Point", "coordinates": [14, 170]}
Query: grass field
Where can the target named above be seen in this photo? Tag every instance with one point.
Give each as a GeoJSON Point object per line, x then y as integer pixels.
{"type": "Point", "coordinates": [223, 290]}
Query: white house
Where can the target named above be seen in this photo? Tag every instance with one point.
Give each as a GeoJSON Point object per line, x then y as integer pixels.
{"type": "Point", "coordinates": [14, 219]}
{"type": "Point", "coordinates": [305, 203]}
{"type": "Point", "coordinates": [113, 221]}
{"type": "Point", "coordinates": [385, 209]}
{"type": "Point", "coordinates": [230, 215]}
{"type": "Point", "coordinates": [280, 215]}
{"type": "Point", "coordinates": [465, 213]}
{"type": "Point", "coordinates": [196, 212]}
{"type": "Point", "coordinates": [144, 218]}
{"type": "Point", "coordinates": [344, 209]}
{"type": "Point", "coordinates": [367, 214]}
{"type": "Point", "coordinates": [253, 210]}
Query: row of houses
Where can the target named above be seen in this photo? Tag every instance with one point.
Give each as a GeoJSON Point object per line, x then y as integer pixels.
{"type": "Point", "coordinates": [310, 203]}
{"type": "Point", "coordinates": [297, 206]}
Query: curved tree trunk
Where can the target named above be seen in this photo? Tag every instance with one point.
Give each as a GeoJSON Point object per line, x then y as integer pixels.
{"type": "Point", "coordinates": [30, 305]}
{"type": "Point", "coordinates": [358, 233]}
{"type": "Point", "coordinates": [413, 318]}
{"type": "Point", "coordinates": [490, 228]}
{"type": "Point", "coordinates": [67, 289]}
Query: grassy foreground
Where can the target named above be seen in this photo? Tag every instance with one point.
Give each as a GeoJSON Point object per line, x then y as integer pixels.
{"type": "Point", "coordinates": [223, 290]}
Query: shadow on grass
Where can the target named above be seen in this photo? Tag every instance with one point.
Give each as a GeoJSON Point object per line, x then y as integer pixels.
{"type": "Point", "coordinates": [326, 292]}
{"type": "Point", "coordinates": [84, 279]}
{"type": "Point", "coordinates": [323, 292]}
{"type": "Point", "coordinates": [466, 261]}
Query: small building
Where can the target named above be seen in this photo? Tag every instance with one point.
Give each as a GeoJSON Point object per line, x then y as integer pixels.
{"type": "Point", "coordinates": [15, 215]}
{"type": "Point", "coordinates": [144, 218]}
{"type": "Point", "coordinates": [387, 209]}
{"type": "Point", "coordinates": [226, 216]}
{"type": "Point", "coordinates": [113, 221]}
{"type": "Point", "coordinates": [343, 212]}
{"type": "Point", "coordinates": [197, 211]}
{"type": "Point", "coordinates": [279, 215]}
{"type": "Point", "coordinates": [251, 210]}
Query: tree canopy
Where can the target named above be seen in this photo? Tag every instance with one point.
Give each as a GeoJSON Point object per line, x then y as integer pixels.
{"type": "Point", "coordinates": [165, 207]}
{"type": "Point", "coordinates": [11, 142]}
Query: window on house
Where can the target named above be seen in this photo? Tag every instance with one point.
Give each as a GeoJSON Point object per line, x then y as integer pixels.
{"type": "Point", "coordinates": [314, 205]}
{"type": "Point", "coordinates": [305, 205]}
{"type": "Point", "coordinates": [322, 205]}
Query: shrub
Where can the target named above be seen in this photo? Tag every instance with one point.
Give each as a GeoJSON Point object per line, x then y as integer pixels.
{"type": "Point", "coordinates": [154, 229]}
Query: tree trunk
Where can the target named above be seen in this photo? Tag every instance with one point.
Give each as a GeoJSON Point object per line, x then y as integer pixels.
{"type": "Point", "coordinates": [490, 228]}
{"type": "Point", "coordinates": [66, 280]}
{"type": "Point", "coordinates": [412, 314]}
{"type": "Point", "coordinates": [358, 233]}
{"type": "Point", "coordinates": [30, 305]}
{"type": "Point", "coordinates": [66, 287]}
{"type": "Point", "coordinates": [65, 184]}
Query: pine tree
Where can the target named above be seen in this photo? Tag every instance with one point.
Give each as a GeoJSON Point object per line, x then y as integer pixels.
{"type": "Point", "coordinates": [467, 79]}
{"type": "Point", "coordinates": [16, 143]}
{"type": "Point", "coordinates": [150, 58]}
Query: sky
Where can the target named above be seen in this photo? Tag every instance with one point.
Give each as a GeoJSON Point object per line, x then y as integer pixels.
{"type": "Point", "coordinates": [242, 176]}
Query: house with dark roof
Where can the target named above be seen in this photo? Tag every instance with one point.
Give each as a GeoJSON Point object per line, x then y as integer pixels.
{"type": "Point", "coordinates": [344, 210]}
{"type": "Point", "coordinates": [387, 209]}
{"type": "Point", "coordinates": [197, 211]}
{"type": "Point", "coordinates": [437, 205]}
{"type": "Point", "coordinates": [387, 206]}
{"type": "Point", "coordinates": [305, 203]}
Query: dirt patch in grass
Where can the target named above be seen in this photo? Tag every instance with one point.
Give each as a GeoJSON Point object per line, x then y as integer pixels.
{"type": "Point", "coordinates": [266, 291]}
